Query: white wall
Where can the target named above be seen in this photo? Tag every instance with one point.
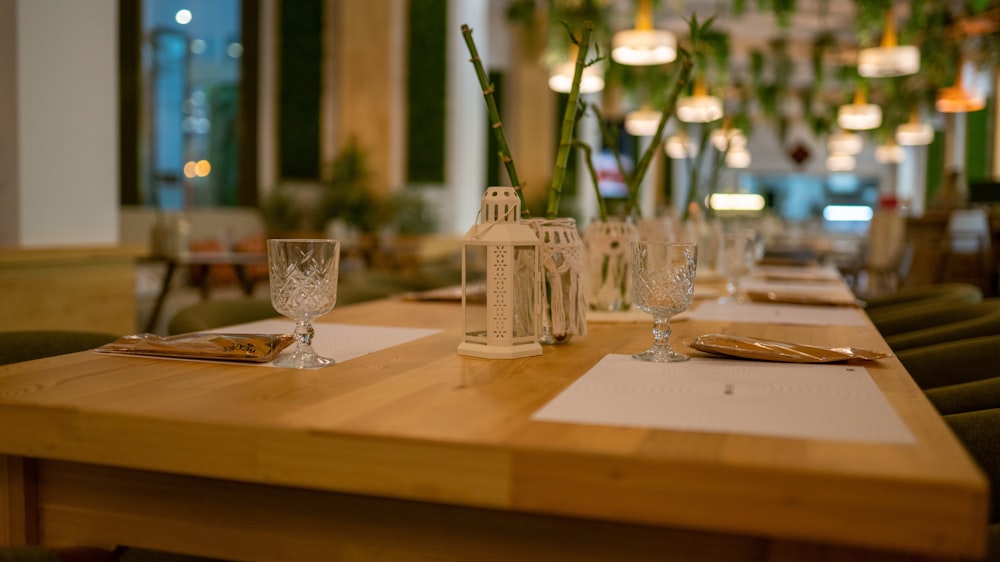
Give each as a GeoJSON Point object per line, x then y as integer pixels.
{"type": "Point", "coordinates": [66, 122]}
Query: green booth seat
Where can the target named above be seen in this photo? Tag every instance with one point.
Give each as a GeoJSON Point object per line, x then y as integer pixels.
{"type": "Point", "coordinates": [941, 322]}
{"type": "Point", "coordinates": [971, 396]}
{"type": "Point", "coordinates": [25, 345]}
{"type": "Point", "coordinates": [953, 362]}
{"type": "Point", "coordinates": [897, 317]}
{"type": "Point", "coordinates": [979, 432]}
{"type": "Point", "coordinates": [940, 292]}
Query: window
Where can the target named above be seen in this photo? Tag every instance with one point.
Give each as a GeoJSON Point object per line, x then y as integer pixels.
{"type": "Point", "coordinates": [188, 94]}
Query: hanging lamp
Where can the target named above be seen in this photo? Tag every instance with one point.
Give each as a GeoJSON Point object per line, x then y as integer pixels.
{"type": "Point", "coordinates": [700, 107]}
{"type": "Point", "coordinates": [913, 132]}
{"type": "Point", "coordinates": [643, 45]}
{"type": "Point", "coordinates": [957, 99]}
{"type": "Point", "coordinates": [738, 157]}
{"type": "Point", "coordinates": [888, 59]}
{"type": "Point", "coordinates": [728, 138]}
{"type": "Point", "coordinates": [840, 162]}
{"type": "Point", "coordinates": [844, 142]}
{"type": "Point", "coordinates": [642, 122]}
{"type": "Point", "coordinates": [680, 146]}
{"type": "Point", "coordinates": [561, 76]}
{"type": "Point", "coordinates": [860, 115]}
{"type": "Point", "coordinates": [890, 152]}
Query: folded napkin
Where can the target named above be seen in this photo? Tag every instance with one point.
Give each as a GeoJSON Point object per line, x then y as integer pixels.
{"type": "Point", "coordinates": [771, 350]}
{"type": "Point", "coordinates": [250, 348]}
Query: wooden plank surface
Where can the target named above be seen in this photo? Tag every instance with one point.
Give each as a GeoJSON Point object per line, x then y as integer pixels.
{"type": "Point", "coordinates": [419, 422]}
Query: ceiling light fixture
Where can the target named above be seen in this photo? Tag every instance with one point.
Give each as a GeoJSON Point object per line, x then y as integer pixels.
{"type": "Point", "coordinates": [844, 142]}
{"type": "Point", "coordinates": [890, 153]}
{"type": "Point", "coordinates": [913, 132]}
{"type": "Point", "coordinates": [699, 107]}
{"type": "Point", "coordinates": [888, 59]}
{"type": "Point", "coordinates": [680, 146]}
{"type": "Point", "coordinates": [860, 115]}
{"type": "Point", "coordinates": [642, 122]}
{"type": "Point", "coordinates": [840, 162]}
{"type": "Point", "coordinates": [957, 99]}
{"type": "Point", "coordinates": [643, 45]}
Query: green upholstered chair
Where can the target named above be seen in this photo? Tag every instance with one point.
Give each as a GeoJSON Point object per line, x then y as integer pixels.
{"type": "Point", "coordinates": [953, 362]}
{"type": "Point", "coordinates": [904, 298]}
{"type": "Point", "coordinates": [213, 314]}
{"type": "Point", "coordinates": [941, 322]}
{"type": "Point", "coordinates": [969, 396]}
{"type": "Point", "coordinates": [25, 345]}
{"type": "Point", "coordinates": [979, 431]}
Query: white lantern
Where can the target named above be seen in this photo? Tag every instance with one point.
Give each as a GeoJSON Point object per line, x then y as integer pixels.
{"type": "Point", "coordinates": [501, 293]}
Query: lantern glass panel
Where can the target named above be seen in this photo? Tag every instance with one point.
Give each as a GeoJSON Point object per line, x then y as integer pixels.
{"type": "Point", "coordinates": [474, 268]}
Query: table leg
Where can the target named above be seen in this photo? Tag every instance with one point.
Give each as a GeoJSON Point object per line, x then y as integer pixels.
{"type": "Point", "coordinates": [168, 276]}
{"type": "Point", "coordinates": [18, 501]}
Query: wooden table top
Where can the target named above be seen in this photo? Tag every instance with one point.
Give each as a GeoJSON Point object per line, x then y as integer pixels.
{"type": "Point", "coordinates": [417, 421]}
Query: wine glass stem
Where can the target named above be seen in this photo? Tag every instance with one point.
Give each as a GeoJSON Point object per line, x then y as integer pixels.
{"type": "Point", "coordinates": [732, 285]}
{"type": "Point", "coordinates": [661, 332]}
{"type": "Point", "coordinates": [304, 333]}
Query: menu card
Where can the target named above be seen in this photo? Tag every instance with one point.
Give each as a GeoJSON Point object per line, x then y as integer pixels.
{"type": "Point", "coordinates": [830, 402]}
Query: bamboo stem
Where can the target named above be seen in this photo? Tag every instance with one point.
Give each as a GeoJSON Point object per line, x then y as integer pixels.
{"type": "Point", "coordinates": [495, 123]}
{"type": "Point", "coordinates": [566, 134]}
{"type": "Point", "coordinates": [588, 154]}
{"type": "Point", "coordinates": [681, 79]}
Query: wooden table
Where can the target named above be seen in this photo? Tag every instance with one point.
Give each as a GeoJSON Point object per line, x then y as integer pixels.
{"type": "Point", "coordinates": [417, 453]}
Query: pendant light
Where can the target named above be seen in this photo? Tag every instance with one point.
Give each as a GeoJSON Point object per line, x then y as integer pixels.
{"type": "Point", "coordinates": [642, 122]}
{"type": "Point", "coordinates": [890, 152]}
{"type": "Point", "coordinates": [561, 76]}
{"type": "Point", "coordinates": [643, 45]}
{"type": "Point", "coordinates": [840, 162]}
{"type": "Point", "coordinates": [680, 146]}
{"type": "Point", "coordinates": [699, 107]}
{"type": "Point", "coordinates": [860, 115]}
{"type": "Point", "coordinates": [844, 142]}
{"type": "Point", "coordinates": [913, 132]}
{"type": "Point", "coordinates": [957, 99]}
{"type": "Point", "coordinates": [888, 59]}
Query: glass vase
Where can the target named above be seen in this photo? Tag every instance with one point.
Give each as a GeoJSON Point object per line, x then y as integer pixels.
{"type": "Point", "coordinates": [608, 264]}
{"type": "Point", "coordinates": [564, 298]}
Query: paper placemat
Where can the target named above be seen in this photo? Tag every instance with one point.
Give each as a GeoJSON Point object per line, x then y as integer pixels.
{"type": "Point", "coordinates": [830, 402]}
{"type": "Point", "coordinates": [821, 273]}
{"type": "Point", "coordinates": [806, 315]}
{"type": "Point", "coordinates": [801, 292]}
{"type": "Point", "coordinates": [340, 342]}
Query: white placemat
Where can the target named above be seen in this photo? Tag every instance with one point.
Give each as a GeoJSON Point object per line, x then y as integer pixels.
{"type": "Point", "coordinates": [341, 342]}
{"type": "Point", "coordinates": [831, 402]}
{"type": "Point", "coordinates": [807, 315]}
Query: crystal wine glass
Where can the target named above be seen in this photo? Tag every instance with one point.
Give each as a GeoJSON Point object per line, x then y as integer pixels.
{"type": "Point", "coordinates": [303, 287]}
{"type": "Point", "coordinates": [663, 285]}
{"type": "Point", "coordinates": [738, 256]}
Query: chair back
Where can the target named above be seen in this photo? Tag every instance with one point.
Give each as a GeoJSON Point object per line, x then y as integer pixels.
{"type": "Point", "coordinates": [969, 231]}
{"type": "Point", "coordinates": [944, 322]}
{"type": "Point", "coordinates": [886, 240]}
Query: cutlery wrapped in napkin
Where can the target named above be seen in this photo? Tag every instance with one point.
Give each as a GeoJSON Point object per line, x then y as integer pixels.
{"type": "Point", "coordinates": [251, 348]}
{"type": "Point", "coordinates": [770, 350]}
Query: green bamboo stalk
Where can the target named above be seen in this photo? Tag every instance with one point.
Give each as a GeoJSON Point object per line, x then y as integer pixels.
{"type": "Point", "coordinates": [681, 79]}
{"type": "Point", "coordinates": [495, 123]}
{"type": "Point", "coordinates": [696, 173]}
{"type": "Point", "coordinates": [566, 134]}
{"type": "Point", "coordinates": [610, 139]}
{"type": "Point", "coordinates": [588, 154]}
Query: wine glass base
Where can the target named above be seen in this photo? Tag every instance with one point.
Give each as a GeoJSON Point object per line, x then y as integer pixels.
{"type": "Point", "coordinates": [731, 299]}
{"type": "Point", "coordinates": [303, 361]}
{"type": "Point", "coordinates": [660, 355]}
